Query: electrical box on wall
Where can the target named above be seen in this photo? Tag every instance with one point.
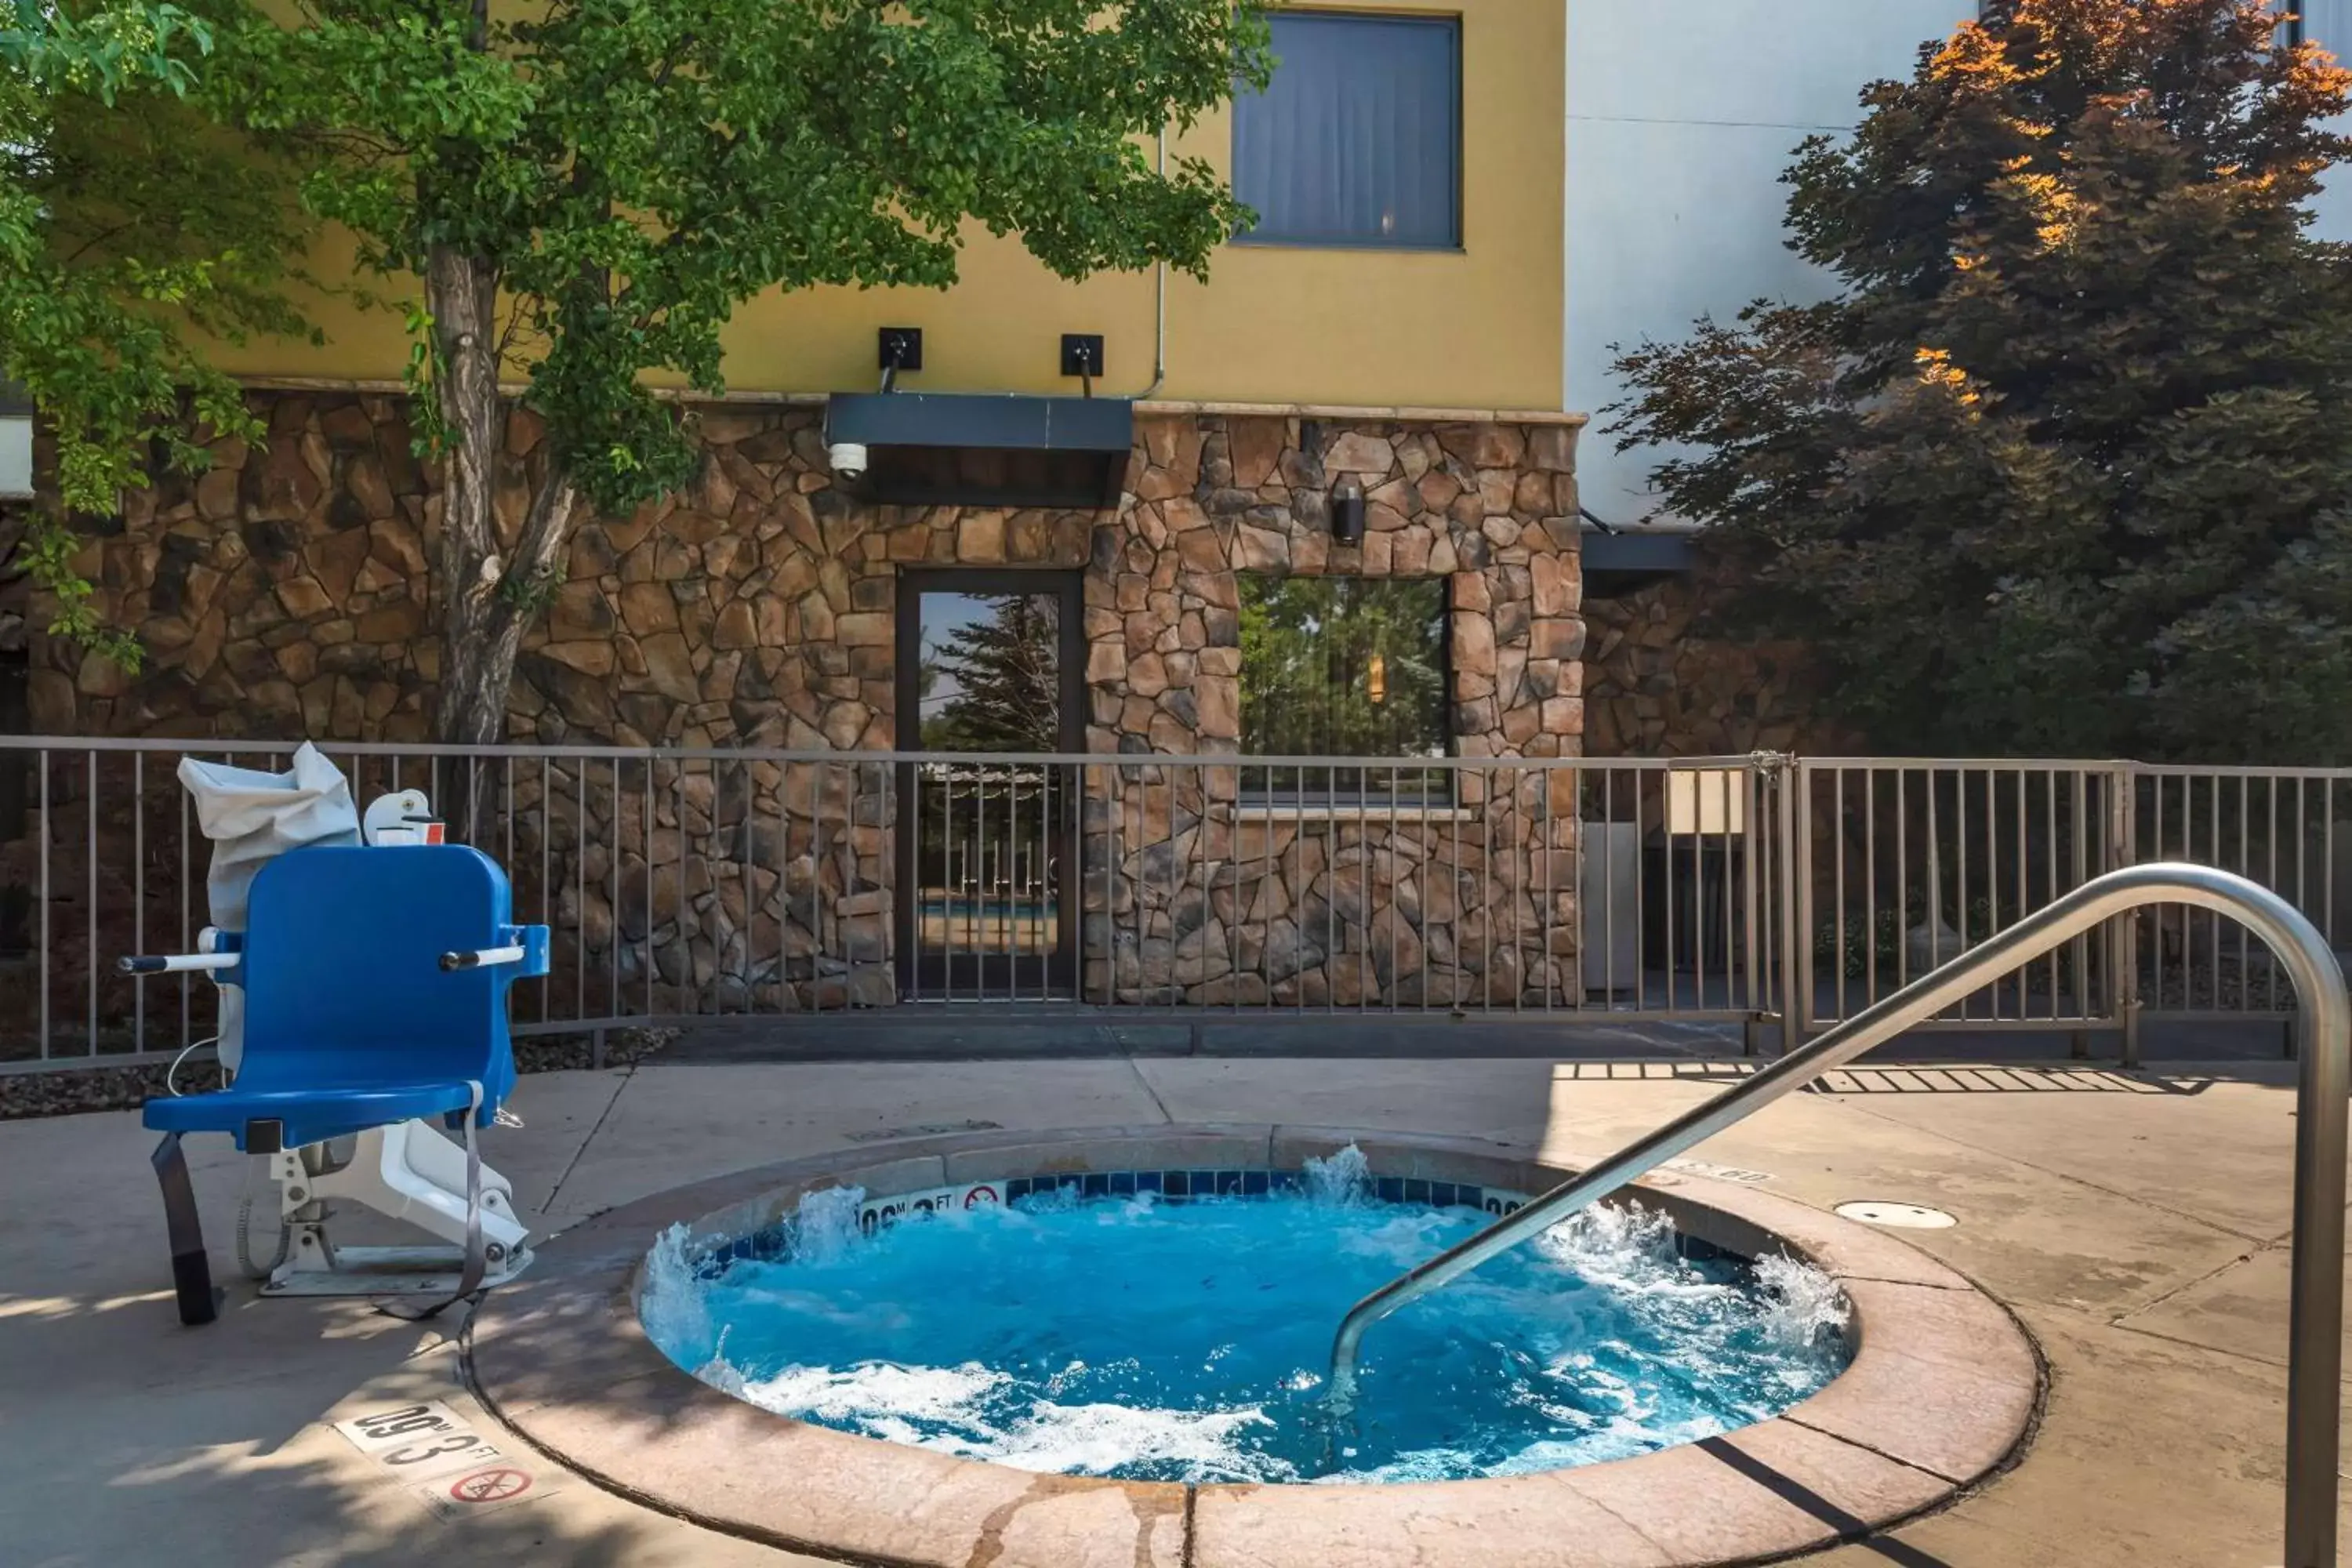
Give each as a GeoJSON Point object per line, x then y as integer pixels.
{"type": "Point", "coordinates": [1707, 802]}
{"type": "Point", "coordinates": [898, 348]}
{"type": "Point", "coordinates": [1609, 908]}
{"type": "Point", "coordinates": [15, 443]}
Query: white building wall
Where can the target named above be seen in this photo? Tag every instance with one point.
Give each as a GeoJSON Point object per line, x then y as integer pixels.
{"type": "Point", "coordinates": [2329, 22]}
{"type": "Point", "coordinates": [1680, 120]}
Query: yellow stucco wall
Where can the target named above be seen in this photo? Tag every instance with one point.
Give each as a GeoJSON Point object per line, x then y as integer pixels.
{"type": "Point", "coordinates": [1477, 328]}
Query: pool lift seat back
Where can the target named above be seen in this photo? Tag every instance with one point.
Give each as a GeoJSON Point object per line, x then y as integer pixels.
{"type": "Point", "coordinates": [374, 984]}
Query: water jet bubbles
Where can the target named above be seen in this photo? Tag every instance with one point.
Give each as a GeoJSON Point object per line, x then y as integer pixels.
{"type": "Point", "coordinates": [1187, 1342]}
{"type": "Point", "coordinates": [827, 1223]}
{"type": "Point", "coordinates": [672, 1303]}
{"type": "Point", "coordinates": [1805, 1306]}
{"type": "Point", "coordinates": [1341, 1179]}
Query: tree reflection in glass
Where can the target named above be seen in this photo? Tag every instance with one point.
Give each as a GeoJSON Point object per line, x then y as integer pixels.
{"type": "Point", "coordinates": [1345, 667]}
{"type": "Point", "coordinates": [988, 834]}
{"type": "Point", "coordinates": [990, 679]}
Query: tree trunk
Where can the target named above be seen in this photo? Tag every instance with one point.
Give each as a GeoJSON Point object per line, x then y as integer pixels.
{"type": "Point", "coordinates": [489, 587]}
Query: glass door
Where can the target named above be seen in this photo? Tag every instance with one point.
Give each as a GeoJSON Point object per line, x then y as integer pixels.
{"type": "Point", "coordinates": [989, 668]}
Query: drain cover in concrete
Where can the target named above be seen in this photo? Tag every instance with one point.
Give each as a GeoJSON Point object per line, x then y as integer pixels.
{"type": "Point", "coordinates": [1904, 1216]}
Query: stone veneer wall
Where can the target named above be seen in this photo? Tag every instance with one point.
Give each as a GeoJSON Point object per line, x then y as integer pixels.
{"type": "Point", "coordinates": [1655, 688]}
{"type": "Point", "coordinates": [1211, 901]}
{"type": "Point", "coordinates": [285, 593]}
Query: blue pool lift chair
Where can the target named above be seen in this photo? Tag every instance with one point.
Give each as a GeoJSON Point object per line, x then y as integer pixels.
{"type": "Point", "coordinates": [375, 983]}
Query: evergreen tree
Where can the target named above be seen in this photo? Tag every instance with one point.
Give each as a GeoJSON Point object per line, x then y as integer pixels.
{"type": "Point", "coordinates": [2066, 465]}
{"type": "Point", "coordinates": [1006, 671]}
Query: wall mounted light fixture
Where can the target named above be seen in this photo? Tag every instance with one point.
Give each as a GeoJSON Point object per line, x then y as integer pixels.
{"type": "Point", "coordinates": [1347, 512]}
{"type": "Point", "coordinates": [897, 348]}
{"type": "Point", "coordinates": [1082, 356]}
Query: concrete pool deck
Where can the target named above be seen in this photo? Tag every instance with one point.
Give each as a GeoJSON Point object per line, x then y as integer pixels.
{"type": "Point", "coordinates": [1942, 1390]}
{"type": "Point", "coordinates": [2136, 1223]}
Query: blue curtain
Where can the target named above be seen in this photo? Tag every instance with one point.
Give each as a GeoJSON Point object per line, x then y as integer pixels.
{"type": "Point", "coordinates": [2328, 23]}
{"type": "Point", "coordinates": [1359, 139]}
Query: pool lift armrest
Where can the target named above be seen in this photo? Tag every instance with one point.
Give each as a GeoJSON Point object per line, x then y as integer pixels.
{"type": "Point", "coordinates": [219, 952]}
{"type": "Point", "coordinates": [524, 945]}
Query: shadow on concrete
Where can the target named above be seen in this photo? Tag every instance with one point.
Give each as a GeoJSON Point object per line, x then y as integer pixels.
{"type": "Point", "coordinates": [1058, 1031]}
{"type": "Point", "coordinates": [204, 1447]}
{"type": "Point", "coordinates": [1796, 1493]}
{"type": "Point", "coordinates": [1872, 1079]}
{"type": "Point", "coordinates": [1068, 1031]}
{"type": "Point", "coordinates": [342, 1516]}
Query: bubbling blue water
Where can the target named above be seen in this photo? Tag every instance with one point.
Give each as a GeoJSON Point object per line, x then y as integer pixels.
{"type": "Point", "coordinates": [1164, 1341]}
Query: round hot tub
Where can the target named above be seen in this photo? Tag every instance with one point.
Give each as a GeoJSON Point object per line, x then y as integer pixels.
{"type": "Point", "coordinates": [1174, 1325]}
{"type": "Point", "coordinates": [1109, 1346]}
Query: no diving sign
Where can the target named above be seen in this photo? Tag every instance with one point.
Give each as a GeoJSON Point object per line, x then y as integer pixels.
{"type": "Point", "coordinates": [477, 1492]}
{"type": "Point", "coordinates": [448, 1464]}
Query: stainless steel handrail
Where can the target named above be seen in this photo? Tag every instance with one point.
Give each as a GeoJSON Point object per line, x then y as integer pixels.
{"type": "Point", "coordinates": [2323, 1022]}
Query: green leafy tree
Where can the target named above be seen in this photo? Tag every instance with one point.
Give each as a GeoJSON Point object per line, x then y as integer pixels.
{"type": "Point", "coordinates": [131, 228]}
{"type": "Point", "coordinates": [2066, 465]}
{"type": "Point", "coordinates": [587, 188]}
{"type": "Point", "coordinates": [1007, 669]}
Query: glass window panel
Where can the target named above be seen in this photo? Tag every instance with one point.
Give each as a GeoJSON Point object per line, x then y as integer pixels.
{"type": "Point", "coordinates": [1358, 141]}
{"type": "Point", "coordinates": [1348, 667]}
{"type": "Point", "coordinates": [988, 678]}
{"type": "Point", "coordinates": [987, 876]}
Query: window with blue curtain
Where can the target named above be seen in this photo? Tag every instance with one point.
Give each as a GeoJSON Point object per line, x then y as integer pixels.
{"type": "Point", "coordinates": [2328, 23]}
{"type": "Point", "coordinates": [1358, 141]}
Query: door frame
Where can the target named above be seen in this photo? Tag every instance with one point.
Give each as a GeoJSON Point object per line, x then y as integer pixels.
{"type": "Point", "coordinates": [1068, 586]}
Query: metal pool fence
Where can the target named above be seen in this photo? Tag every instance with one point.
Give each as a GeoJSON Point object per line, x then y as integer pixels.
{"type": "Point", "coordinates": [690, 884]}
{"type": "Point", "coordinates": [2289, 829]}
{"type": "Point", "coordinates": [1910, 862]}
{"type": "Point", "coordinates": [1914, 862]}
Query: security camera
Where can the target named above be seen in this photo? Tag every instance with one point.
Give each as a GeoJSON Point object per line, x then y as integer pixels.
{"type": "Point", "coordinates": [847, 458]}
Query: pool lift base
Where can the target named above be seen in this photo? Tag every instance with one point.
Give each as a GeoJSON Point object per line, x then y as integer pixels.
{"type": "Point", "coordinates": [407, 1172]}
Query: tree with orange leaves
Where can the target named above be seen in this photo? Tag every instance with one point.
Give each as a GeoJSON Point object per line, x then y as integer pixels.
{"type": "Point", "coordinates": [2066, 465]}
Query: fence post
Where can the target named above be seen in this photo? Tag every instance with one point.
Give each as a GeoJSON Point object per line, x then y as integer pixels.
{"type": "Point", "coordinates": [1754, 966]}
{"type": "Point", "coordinates": [2122, 938]}
{"type": "Point", "coordinates": [1794, 850]}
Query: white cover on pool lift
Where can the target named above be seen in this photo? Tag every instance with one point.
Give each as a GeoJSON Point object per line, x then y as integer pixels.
{"type": "Point", "coordinates": [251, 817]}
